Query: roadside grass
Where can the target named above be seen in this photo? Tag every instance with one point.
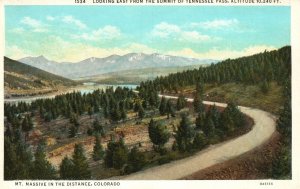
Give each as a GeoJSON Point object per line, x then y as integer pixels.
{"type": "Point", "coordinates": [243, 95]}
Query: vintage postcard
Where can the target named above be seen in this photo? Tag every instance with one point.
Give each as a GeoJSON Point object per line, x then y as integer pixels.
{"type": "Point", "coordinates": [149, 93]}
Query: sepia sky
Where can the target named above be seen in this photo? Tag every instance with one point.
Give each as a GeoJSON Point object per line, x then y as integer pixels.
{"type": "Point", "coordinates": [74, 33]}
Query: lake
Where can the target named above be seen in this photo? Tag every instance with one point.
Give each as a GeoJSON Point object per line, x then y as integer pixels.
{"type": "Point", "coordinates": [84, 89]}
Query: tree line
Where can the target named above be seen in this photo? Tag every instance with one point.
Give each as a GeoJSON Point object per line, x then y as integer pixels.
{"type": "Point", "coordinates": [259, 69]}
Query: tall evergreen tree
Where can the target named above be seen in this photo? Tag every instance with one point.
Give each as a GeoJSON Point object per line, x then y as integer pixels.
{"type": "Point", "coordinates": [98, 151]}
{"type": "Point", "coordinates": [116, 113]}
{"type": "Point", "coordinates": [282, 165]}
{"type": "Point", "coordinates": [200, 121]}
{"type": "Point", "coordinates": [158, 134]}
{"type": "Point", "coordinates": [200, 141]}
{"type": "Point", "coordinates": [163, 106]}
{"type": "Point", "coordinates": [90, 111]}
{"type": "Point", "coordinates": [17, 160]}
{"type": "Point", "coordinates": [136, 160]}
{"type": "Point", "coordinates": [214, 115]}
{"type": "Point", "coordinates": [116, 154]}
{"type": "Point", "coordinates": [141, 112]}
{"type": "Point", "coordinates": [170, 109]}
{"type": "Point", "coordinates": [185, 134]}
{"type": "Point", "coordinates": [181, 102]}
{"type": "Point", "coordinates": [98, 128]}
{"type": "Point", "coordinates": [209, 127]}
{"type": "Point", "coordinates": [66, 169]}
{"type": "Point", "coordinates": [80, 164]}
{"type": "Point", "coordinates": [42, 169]}
{"type": "Point", "coordinates": [27, 124]}
{"type": "Point", "coordinates": [198, 104]}
{"type": "Point", "coordinates": [284, 123]}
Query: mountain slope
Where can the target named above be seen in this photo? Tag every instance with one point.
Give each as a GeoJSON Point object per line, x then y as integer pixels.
{"type": "Point", "coordinates": [96, 66]}
{"type": "Point", "coordinates": [18, 76]}
{"type": "Point", "coordinates": [135, 76]}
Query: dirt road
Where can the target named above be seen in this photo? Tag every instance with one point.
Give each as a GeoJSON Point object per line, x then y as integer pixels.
{"type": "Point", "coordinates": [264, 127]}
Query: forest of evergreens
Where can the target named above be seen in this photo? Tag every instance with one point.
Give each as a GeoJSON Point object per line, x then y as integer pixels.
{"type": "Point", "coordinates": [258, 69]}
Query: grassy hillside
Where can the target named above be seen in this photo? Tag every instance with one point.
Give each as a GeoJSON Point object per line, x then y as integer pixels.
{"type": "Point", "coordinates": [21, 77]}
{"type": "Point", "coordinates": [135, 76]}
{"type": "Point", "coordinates": [255, 81]}
{"type": "Point", "coordinates": [244, 95]}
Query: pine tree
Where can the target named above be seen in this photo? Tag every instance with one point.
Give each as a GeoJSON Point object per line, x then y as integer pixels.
{"type": "Point", "coordinates": [80, 164]}
{"type": "Point", "coordinates": [200, 89]}
{"type": "Point", "coordinates": [116, 154]}
{"type": "Point", "coordinates": [200, 121]}
{"type": "Point", "coordinates": [170, 109]}
{"type": "Point", "coordinates": [136, 160]}
{"type": "Point", "coordinates": [284, 123]}
{"type": "Point", "coordinates": [163, 106]}
{"type": "Point", "coordinates": [154, 99]}
{"type": "Point", "coordinates": [27, 124]}
{"type": "Point", "coordinates": [17, 160]}
{"type": "Point", "coordinates": [90, 111]}
{"type": "Point", "coordinates": [116, 113]}
{"type": "Point", "coordinates": [181, 102]}
{"type": "Point", "coordinates": [282, 165]}
{"type": "Point", "coordinates": [264, 87]}
{"type": "Point", "coordinates": [230, 118]}
{"type": "Point", "coordinates": [214, 114]}
{"type": "Point", "coordinates": [98, 151]}
{"type": "Point", "coordinates": [141, 112]}
{"type": "Point", "coordinates": [185, 134]}
{"type": "Point", "coordinates": [198, 105]}
{"type": "Point", "coordinates": [209, 127]}
{"type": "Point", "coordinates": [98, 128]}
{"type": "Point", "coordinates": [158, 134]}
{"type": "Point", "coordinates": [200, 141]}
{"type": "Point", "coordinates": [137, 106]}
{"type": "Point", "coordinates": [42, 169]}
{"type": "Point", "coordinates": [123, 114]}
{"type": "Point", "coordinates": [66, 169]}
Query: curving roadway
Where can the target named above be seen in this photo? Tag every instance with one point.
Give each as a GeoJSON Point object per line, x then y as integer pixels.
{"type": "Point", "coordinates": [263, 128]}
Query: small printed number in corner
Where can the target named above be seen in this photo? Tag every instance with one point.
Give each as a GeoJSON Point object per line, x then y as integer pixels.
{"type": "Point", "coordinates": [79, 1]}
{"type": "Point", "coordinates": [266, 183]}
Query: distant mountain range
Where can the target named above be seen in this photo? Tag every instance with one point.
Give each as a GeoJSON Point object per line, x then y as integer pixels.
{"type": "Point", "coordinates": [114, 63]}
{"type": "Point", "coordinates": [136, 76]}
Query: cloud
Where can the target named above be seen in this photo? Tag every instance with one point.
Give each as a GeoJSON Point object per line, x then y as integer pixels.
{"type": "Point", "coordinates": [71, 20]}
{"type": "Point", "coordinates": [18, 30]}
{"type": "Point", "coordinates": [15, 52]}
{"type": "Point", "coordinates": [170, 31]}
{"type": "Point", "coordinates": [34, 24]}
{"type": "Point", "coordinates": [107, 32]}
{"type": "Point", "coordinates": [165, 30]}
{"type": "Point", "coordinates": [216, 24]}
{"type": "Point", "coordinates": [50, 18]}
{"type": "Point", "coordinates": [31, 22]}
{"type": "Point", "coordinates": [193, 36]}
{"type": "Point", "coordinates": [72, 51]}
{"type": "Point", "coordinates": [140, 48]}
{"type": "Point", "coordinates": [222, 54]}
